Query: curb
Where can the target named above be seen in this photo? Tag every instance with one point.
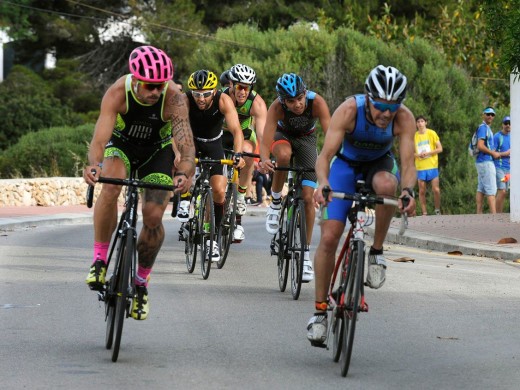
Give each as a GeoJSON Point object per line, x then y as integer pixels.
{"type": "Point", "coordinates": [443, 244]}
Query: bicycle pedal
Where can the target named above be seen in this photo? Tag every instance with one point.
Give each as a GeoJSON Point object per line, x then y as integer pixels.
{"type": "Point", "coordinates": [319, 345]}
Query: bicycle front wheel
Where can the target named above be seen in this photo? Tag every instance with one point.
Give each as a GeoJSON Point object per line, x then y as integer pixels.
{"type": "Point", "coordinates": [123, 285]}
{"type": "Point", "coordinates": [280, 240]}
{"type": "Point", "coordinates": [206, 231]}
{"type": "Point", "coordinates": [228, 223]}
{"type": "Point", "coordinates": [354, 280]}
{"type": "Point", "coordinates": [110, 310]}
{"type": "Point", "coordinates": [190, 244]}
{"type": "Point", "coordinates": [298, 242]}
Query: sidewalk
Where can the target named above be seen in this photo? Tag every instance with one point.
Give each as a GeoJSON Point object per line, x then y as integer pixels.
{"type": "Point", "coordinates": [470, 234]}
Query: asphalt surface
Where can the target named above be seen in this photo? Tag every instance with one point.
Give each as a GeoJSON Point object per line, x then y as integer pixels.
{"type": "Point", "coordinates": [486, 235]}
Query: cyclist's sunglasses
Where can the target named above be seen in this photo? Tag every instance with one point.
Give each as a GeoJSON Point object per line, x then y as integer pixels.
{"type": "Point", "coordinates": [242, 87]}
{"type": "Point", "coordinates": [201, 94]}
{"type": "Point", "coordinates": [392, 107]}
{"type": "Point", "coordinates": [152, 86]}
{"type": "Point", "coordinates": [489, 114]}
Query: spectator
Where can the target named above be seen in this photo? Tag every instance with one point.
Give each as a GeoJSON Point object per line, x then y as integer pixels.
{"type": "Point", "coordinates": [262, 181]}
{"type": "Point", "coordinates": [427, 147]}
{"type": "Point", "coordinates": [487, 185]}
{"type": "Point", "coordinates": [502, 142]}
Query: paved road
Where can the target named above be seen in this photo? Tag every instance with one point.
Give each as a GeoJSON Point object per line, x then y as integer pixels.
{"type": "Point", "coordinates": [441, 322]}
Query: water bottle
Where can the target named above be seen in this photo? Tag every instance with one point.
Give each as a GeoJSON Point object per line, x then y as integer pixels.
{"type": "Point", "coordinates": [197, 204]}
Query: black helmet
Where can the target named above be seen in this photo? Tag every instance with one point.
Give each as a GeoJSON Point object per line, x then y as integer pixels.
{"type": "Point", "coordinates": [225, 78]}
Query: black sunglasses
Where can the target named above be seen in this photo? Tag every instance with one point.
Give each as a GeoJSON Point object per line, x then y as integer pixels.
{"type": "Point", "coordinates": [507, 123]}
{"type": "Point", "coordinates": [152, 86]}
{"type": "Point", "coordinates": [490, 114]}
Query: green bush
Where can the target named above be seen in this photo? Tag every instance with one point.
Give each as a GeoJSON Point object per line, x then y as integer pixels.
{"type": "Point", "coordinates": [58, 151]}
{"type": "Point", "coordinates": [27, 104]}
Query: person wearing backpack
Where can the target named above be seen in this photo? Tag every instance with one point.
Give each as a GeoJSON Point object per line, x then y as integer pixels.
{"type": "Point", "coordinates": [502, 141]}
{"type": "Point", "coordinates": [487, 185]}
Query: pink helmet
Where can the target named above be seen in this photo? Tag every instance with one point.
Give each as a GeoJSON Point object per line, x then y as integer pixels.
{"type": "Point", "coordinates": [150, 64]}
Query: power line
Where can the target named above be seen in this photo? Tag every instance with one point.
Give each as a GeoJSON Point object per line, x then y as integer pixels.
{"type": "Point", "coordinates": [50, 11]}
{"type": "Point", "coordinates": [119, 15]}
{"type": "Point", "coordinates": [161, 26]}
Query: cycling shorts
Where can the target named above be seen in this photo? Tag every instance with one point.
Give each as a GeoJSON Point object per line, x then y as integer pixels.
{"type": "Point", "coordinates": [304, 152]}
{"type": "Point", "coordinates": [212, 150]}
{"type": "Point", "coordinates": [153, 163]}
{"type": "Point", "coordinates": [343, 177]}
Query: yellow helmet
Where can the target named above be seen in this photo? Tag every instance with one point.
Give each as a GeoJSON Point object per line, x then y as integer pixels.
{"type": "Point", "coordinates": [202, 79]}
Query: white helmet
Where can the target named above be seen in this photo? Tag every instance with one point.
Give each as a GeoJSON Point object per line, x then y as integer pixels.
{"type": "Point", "coordinates": [386, 83]}
{"type": "Point", "coordinates": [242, 74]}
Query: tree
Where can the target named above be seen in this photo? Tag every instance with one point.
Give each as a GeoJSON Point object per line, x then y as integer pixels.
{"type": "Point", "coordinates": [27, 104]}
{"type": "Point", "coordinates": [503, 28]}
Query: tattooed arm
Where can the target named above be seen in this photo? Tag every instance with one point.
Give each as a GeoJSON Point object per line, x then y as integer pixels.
{"type": "Point", "coordinates": [177, 113]}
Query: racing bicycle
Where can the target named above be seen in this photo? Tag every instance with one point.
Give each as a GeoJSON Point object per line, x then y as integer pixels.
{"type": "Point", "coordinates": [119, 290]}
{"type": "Point", "coordinates": [346, 294]}
{"type": "Point", "coordinates": [290, 241]}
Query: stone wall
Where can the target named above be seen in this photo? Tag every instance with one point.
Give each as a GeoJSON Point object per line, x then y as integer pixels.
{"type": "Point", "coordinates": [52, 191]}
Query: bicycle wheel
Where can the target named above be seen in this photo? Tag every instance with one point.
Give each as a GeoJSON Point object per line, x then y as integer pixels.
{"type": "Point", "coordinates": [123, 284]}
{"type": "Point", "coordinates": [280, 240]}
{"type": "Point", "coordinates": [110, 311]}
{"type": "Point", "coordinates": [337, 324]}
{"type": "Point", "coordinates": [228, 223]}
{"type": "Point", "coordinates": [338, 333]}
{"type": "Point", "coordinates": [206, 235]}
{"type": "Point", "coordinates": [190, 245]}
{"type": "Point", "coordinates": [298, 241]}
{"type": "Point", "coordinates": [353, 285]}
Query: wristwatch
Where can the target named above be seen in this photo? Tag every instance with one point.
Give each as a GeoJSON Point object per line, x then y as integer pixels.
{"type": "Point", "coordinates": [410, 191]}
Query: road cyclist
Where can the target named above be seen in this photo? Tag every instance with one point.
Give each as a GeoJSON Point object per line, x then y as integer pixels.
{"type": "Point", "coordinates": [290, 131]}
{"type": "Point", "coordinates": [208, 107]}
{"type": "Point", "coordinates": [358, 146]}
{"type": "Point", "coordinates": [252, 114]}
{"type": "Point", "coordinates": [140, 114]}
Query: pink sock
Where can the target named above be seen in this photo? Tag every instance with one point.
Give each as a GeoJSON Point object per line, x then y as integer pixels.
{"type": "Point", "coordinates": [101, 251]}
{"type": "Point", "coordinates": [142, 276]}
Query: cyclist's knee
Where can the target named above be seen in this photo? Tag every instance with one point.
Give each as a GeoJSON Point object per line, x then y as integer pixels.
{"type": "Point", "coordinates": [329, 239]}
{"type": "Point", "coordinates": [152, 219]}
{"type": "Point", "coordinates": [110, 192]}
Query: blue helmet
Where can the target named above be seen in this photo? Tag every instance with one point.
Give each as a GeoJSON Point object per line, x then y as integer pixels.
{"type": "Point", "coordinates": [290, 85]}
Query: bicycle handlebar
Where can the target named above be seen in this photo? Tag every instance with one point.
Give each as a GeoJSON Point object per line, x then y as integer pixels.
{"type": "Point", "coordinates": [293, 169]}
{"type": "Point", "coordinates": [369, 199]}
{"type": "Point", "coordinates": [214, 161]}
{"type": "Point", "coordinates": [128, 183]}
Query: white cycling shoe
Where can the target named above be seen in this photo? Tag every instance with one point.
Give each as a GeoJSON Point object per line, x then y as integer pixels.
{"type": "Point", "coordinates": [238, 234]}
{"type": "Point", "coordinates": [376, 274]}
{"type": "Point", "coordinates": [272, 222]}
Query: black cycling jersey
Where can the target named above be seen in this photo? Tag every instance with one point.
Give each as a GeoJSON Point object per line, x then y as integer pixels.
{"type": "Point", "coordinates": [142, 124]}
{"type": "Point", "coordinates": [206, 124]}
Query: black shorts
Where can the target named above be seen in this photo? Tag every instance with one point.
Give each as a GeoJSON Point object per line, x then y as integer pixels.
{"type": "Point", "coordinates": [213, 150]}
{"type": "Point", "coordinates": [154, 163]}
{"type": "Point", "coordinates": [305, 153]}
